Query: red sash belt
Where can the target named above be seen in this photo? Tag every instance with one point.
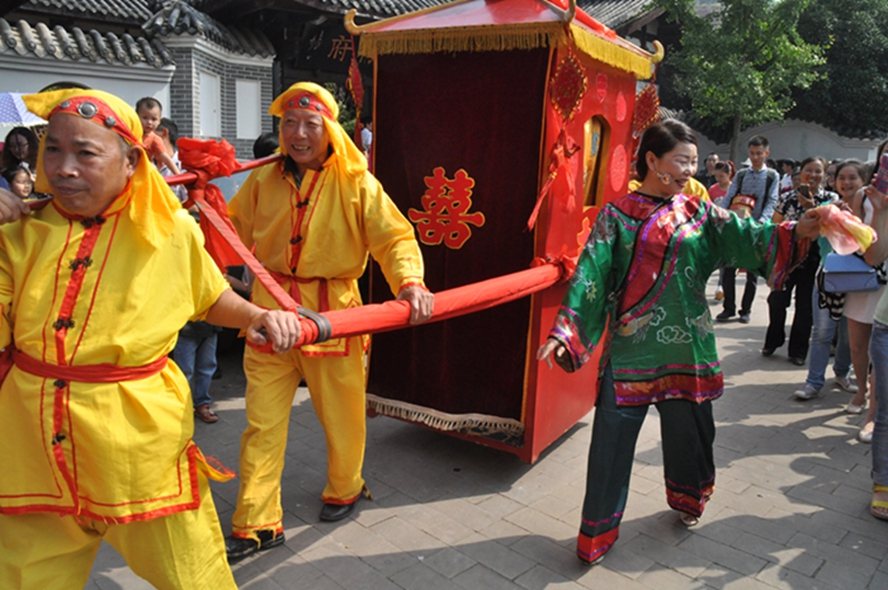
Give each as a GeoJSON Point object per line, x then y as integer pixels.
{"type": "Point", "coordinates": [100, 373]}
{"type": "Point", "coordinates": [290, 280]}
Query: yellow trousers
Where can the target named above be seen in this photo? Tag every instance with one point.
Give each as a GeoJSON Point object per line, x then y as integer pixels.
{"type": "Point", "coordinates": [336, 385]}
{"type": "Point", "coordinates": [186, 551]}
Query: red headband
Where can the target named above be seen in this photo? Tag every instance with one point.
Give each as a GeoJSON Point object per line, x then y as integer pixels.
{"type": "Point", "coordinates": [96, 110]}
{"type": "Point", "coordinates": [309, 102]}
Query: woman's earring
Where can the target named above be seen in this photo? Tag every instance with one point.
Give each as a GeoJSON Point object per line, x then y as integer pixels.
{"type": "Point", "coordinates": [664, 177]}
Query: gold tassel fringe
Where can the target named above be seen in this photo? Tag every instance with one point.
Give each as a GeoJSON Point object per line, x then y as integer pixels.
{"type": "Point", "coordinates": [505, 429]}
{"type": "Point", "coordinates": [611, 53]}
{"type": "Point", "coordinates": [505, 38]}
{"type": "Point", "coordinates": [453, 40]}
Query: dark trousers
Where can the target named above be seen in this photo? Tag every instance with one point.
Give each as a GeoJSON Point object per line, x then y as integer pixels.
{"type": "Point", "coordinates": [802, 280]}
{"type": "Point", "coordinates": [687, 431]}
{"type": "Point", "coordinates": [730, 288]}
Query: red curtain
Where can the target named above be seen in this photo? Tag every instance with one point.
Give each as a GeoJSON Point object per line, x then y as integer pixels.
{"type": "Point", "coordinates": [481, 113]}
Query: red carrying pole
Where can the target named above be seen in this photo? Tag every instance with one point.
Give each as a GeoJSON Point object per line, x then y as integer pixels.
{"type": "Point", "coordinates": [392, 315]}
{"type": "Point", "coordinates": [186, 177]}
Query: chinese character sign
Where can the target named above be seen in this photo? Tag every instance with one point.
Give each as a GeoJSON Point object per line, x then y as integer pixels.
{"type": "Point", "coordinates": [446, 203]}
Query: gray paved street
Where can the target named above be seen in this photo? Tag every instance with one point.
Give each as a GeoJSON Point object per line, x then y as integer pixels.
{"type": "Point", "coordinates": [790, 508]}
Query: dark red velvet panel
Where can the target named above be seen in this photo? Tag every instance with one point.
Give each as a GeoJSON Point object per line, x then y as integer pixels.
{"type": "Point", "coordinates": [481, 112]}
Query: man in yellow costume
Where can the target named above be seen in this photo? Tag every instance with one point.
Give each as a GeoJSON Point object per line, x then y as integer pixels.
{"type": "Point", "coordinates": [313, 218]}
{"type": "Point", "coordinates": [96, 421]}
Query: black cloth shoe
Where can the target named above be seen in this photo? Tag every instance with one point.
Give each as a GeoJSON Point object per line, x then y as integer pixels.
{"type": "Point", "coordinates": [768, 351]}
{"type": "Point", "coordinates": [725, 316]}
{"type": "Point", "coordinates": [237, 548]}
{"type": "Point", "coordinates": [797, 361]}
{"type": "Point", "coordinates": [744, 318]}
{"type": "Point", "coordinates": [334, 512]}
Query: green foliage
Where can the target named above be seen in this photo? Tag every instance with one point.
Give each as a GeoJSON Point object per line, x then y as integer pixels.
{"type": "Point", "coordinates": [853, 91]}
{"type": "Point", "coordinates": [347, 110]}
{"type": "Point", "coordinates": [738, 65]}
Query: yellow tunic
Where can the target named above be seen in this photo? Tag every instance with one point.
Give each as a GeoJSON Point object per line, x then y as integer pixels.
{"type": "Point", "coordinates": [112, 452]}
{"type": "Point", "coordinates": [338, 228]}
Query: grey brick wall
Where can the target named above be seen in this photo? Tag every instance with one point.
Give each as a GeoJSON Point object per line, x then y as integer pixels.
{"type": "Point", "coordinates": [185, 95]}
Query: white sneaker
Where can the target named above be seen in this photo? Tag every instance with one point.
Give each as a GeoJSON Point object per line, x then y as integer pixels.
{"type": "Point", "coordinates": [805, 393]}
{"type": "Point", "coordinates": [846, 383]}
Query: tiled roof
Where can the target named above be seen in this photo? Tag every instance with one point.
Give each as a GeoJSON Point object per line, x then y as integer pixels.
{"type": "Point", "coordinates": [615, 13]}
{"type": "Point", "coordinates": [133, 10]}
{"type": "Point", "coordinates": [383, 8]}
{"type": "Point", "coordinates": [75, 44]}
{"type": "Point", "coordinates": [611, 13]}
{"type": "Point", "coordinates": [179, 17]}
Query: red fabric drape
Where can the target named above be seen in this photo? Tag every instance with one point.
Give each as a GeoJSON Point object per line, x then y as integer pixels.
{"type": "Point", "coordinates": [206, 160]}
{"type": "Point", "coordinates": [210, 159]}
{"type": "Point", "coordinates": [469, 118]}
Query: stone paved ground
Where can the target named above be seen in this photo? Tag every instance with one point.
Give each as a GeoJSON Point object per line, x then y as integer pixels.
{"type": "Point", "coordinates": [790, 509]}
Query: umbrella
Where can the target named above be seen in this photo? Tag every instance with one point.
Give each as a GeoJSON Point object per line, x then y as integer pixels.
{"type": "Point", "coordinates": [14, 113]}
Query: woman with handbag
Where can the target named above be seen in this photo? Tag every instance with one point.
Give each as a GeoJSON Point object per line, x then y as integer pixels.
{"type": "Point", "coordinates": [877, 254]}
{"type": "Point", "coordinates": [827, 323]}
{"type": "Point", "coordinates": [642, 277]}
{"type": "Point", "coordinates": [860, 306]}
{"type": "Point", "coordinates": [791, 207]}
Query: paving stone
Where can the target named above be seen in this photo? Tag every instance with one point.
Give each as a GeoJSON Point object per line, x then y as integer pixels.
{"type": "Point", "coordinates": [538, 523]}
{"type": "Point", "coordinates": [553, 506]}
{"type": "Point", "coordinates": [541, 578]}
{"type": "Point", "coordinates": [504, 532]}
{"type": "Point", "coordinates": [756, 525]}
{"type": "Point", "coordinates": [499, 506]}
{"type": "Point", "coordinates": [802, 521]}
{"type": "Point", "coordinates": [479, 576]}
{"type": "Point", "coordinates": [785, 579]}
{"type": "Point", "coordinates": [261, 582]}
{"type": "Point", "coordinates": [495, 556]}
{"type": "Point", "coordinates": [833, 553]}
{"type": "Point", "coordinates": [295, 573]}
{"type": "Point", "coordinates": [421, 577]}
{"type": "Point", "coordinates": [682, 561]}
{"type": "Point", "coordinates": [877, 549]}
{"type": "Point", "coordinates": [449, 562]}
{"type": "Point", "coordinates": [879, 581]}
{"type": "Point", "coordinates": [715, 552]}
{"type": "Point", "coordinates": [664, 578]}
{"type": "Point", "coordinates": [545, 552]}
{"type": "Point", "coordinates": [720, 577]}
{"type": "Point", "coordinates": [794, 558]}
{"type": "Point", "coordinates": [599, 577]}
{"type": "Point", "coordinates": [406, 536]}
{"type": "Point", "coordinates": [473, 516]}
{"type": "Point", "coordinates": [717, 531]}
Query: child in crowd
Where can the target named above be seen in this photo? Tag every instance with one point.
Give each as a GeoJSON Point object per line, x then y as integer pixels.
{"type": "Point", "coordinates": [724, 174]}
{"type": "Point", "coordinates": [150, 112]}
{"type": "Point", "coordinates": [19, 181]}
{"type": "Point", "coordinates": [168, 132]}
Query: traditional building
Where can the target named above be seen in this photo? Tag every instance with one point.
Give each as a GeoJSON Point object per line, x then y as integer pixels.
{"type": "Point", "coordinates": [215, 66]}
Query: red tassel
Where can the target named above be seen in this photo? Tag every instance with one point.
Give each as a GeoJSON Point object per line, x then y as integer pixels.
{"type": "Point", "coordinates": [562, 172]}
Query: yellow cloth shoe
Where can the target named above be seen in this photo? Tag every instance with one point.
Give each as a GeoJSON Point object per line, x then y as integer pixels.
{"type": "Point", "coordinates": [879, 508]}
